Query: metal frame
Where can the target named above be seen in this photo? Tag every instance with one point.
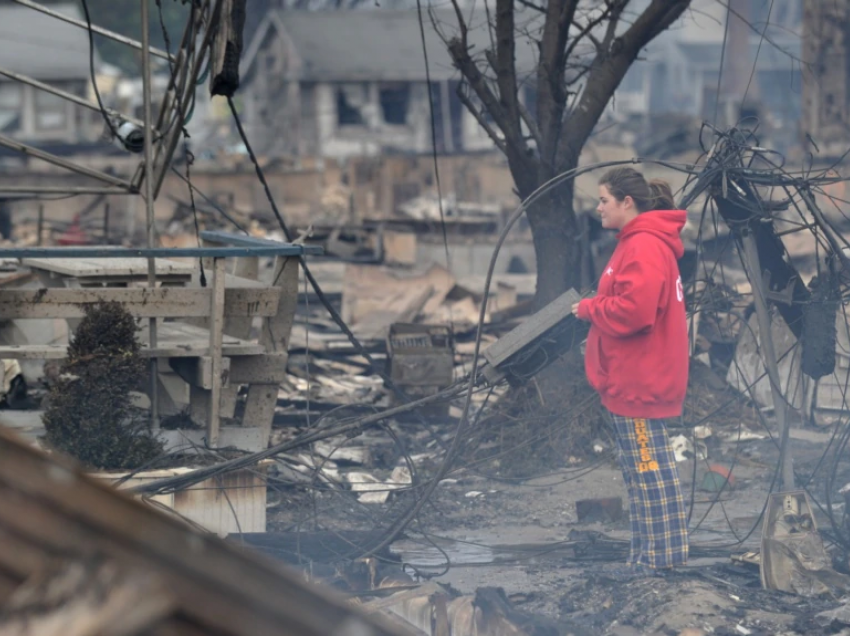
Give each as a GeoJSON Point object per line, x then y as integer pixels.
{"type": "Point", "coordinates": [161, 140]}
{"type": "Point", "coordinates": [186, 67]}
{"type": "Point", "coordinates": [32, 151]}
{"type": "Point", "coordinates": [76, 99]}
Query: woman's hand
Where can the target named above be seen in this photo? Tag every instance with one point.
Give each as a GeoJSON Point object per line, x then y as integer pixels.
{"type": "Point", "coordinates": [575, 309]}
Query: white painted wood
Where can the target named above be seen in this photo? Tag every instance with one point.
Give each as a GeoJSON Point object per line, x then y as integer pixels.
{"type": "Point", "coordinates": [216, 313]}
{"type": "Point", "coordinates": [109, 267]}
{"type": "Point", "coordinates": [142, 302]}
{"type": "Point", "coordinates": [174, 339]}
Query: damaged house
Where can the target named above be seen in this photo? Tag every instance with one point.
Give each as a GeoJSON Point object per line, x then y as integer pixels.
{"type": "Point", "coordinates": [353, 83]}
{"type": "Point", "coordinates": [52, 52]}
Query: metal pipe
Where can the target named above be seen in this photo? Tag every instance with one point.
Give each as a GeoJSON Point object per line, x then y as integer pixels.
{"type": "Point", "coordinates": [66, 95]}
{"type": "Point", "coordinates": [96, 29]}
{"type": "Point", "coordinates": [149, 210]}
{"type": "Point", "coordinates": [26, 149]}
{"type": "Point", "coordinates": [780, 406]}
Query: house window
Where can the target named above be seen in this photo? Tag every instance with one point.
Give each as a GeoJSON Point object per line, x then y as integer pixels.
{"type": "Point", "coordinates": [395, 102]}
{"type": "Point", "coordinates": [50, 111]}
{"type": "Point", "coordinates": [350, 99]}
{"type": "Point", "coordinates": [10, 105]}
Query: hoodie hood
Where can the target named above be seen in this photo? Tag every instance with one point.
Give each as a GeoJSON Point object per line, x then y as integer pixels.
{"type": "Point", "coordinates": [665, 224]}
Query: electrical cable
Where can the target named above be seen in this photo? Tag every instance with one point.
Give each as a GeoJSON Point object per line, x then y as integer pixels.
{"type": "Point", "coordinates": [93, 73]}
{"type": "Point", "coordinates": [190, 159]}
{"type": "Point", "coordinates": [433, 134]}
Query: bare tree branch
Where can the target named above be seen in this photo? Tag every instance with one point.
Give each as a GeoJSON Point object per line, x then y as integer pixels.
{"type": "Point", "coordinates": [607, 71]}
{"type": "Point", "coordinates": [482, 121]}
{"type": "Point", "coordinates": [614, 14]}
{"type": "Point", "coordinates": [529, 120]}
{"type": "Point", "coordinates": [489, 25]}
{"type": "Point", "coordinates": [476, 80]}
{"type": "Point", "coordinates": [531, 5]}
{"type": "Point", "coordinates": [505, 67]}
{"type": "Point", "coordinates": [504, 112]}
{"type": "Point", "coordinates": [551, 94]}
{"type": "Point", "coordinates": [461, 24]}
{"type": "Point", "coordinates": [586, 32]}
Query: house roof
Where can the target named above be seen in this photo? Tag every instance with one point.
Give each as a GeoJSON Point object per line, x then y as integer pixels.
{"type": "Point", "coordinates": [380, 44]}
{"type": "Point", "coordinates": [779, 55]}
{"type": "Point", "coordinates": [50, 511]}
{"type": "Point", "coordinates": [41, 46]}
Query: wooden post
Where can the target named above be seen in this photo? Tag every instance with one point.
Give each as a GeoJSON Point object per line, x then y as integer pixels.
{"type": "Point", "coordinates": [216, 336]}
{"type": "Point", "coordinates": [765, 341]}
{"type": "Point", "coordinates": [40, 229]}
{"type": "Point", "coordinates": [262, 398]}
{"type": "Point", "coordinates": [106, 224]}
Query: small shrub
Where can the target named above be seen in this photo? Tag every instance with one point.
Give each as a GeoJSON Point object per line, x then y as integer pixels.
{"type": "Point", "coordinates": [90, 415]}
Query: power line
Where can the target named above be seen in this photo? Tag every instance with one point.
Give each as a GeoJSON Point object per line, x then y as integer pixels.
{"type": "Point", "coordinates": [93, 74]}
{"type": "Point", "coordinates": [434, 132]}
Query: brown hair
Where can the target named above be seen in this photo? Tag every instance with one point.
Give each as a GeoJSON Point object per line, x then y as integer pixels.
{"type": "Point", "coordinates": [628, 182]}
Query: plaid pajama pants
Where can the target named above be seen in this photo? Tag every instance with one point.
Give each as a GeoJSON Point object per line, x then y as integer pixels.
{"type": "Point", "coordinates": [656, 506]}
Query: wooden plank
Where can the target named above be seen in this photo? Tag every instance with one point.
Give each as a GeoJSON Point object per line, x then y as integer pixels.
{"type": "Point", "coordinates": [83, 597]}
{"type": "Point", "coordinates": [274, 336]}
{"type": "Point", "coordinates": [239, 280]}
{"type": "Point", "coordinates": [216, 314]}
{"type": "Point", "coordinates": [162, 302]}
{"type": "Point", "coordinates": [192, 441]}
{"type": "Point", "coordinates": [178, 339]}
{"type": "Point", "coordinates": [15, 278]}
{"type": "Point", "coordinates": [199, 371]}
{"type": "Point", "coordinates": [33, 352]}
{"type": "Point", "coordinates": [86, 267]}
{"type": "Point", "coordinates": [231, 347]}
{"type": "Point", "coordinates": [100, 281]}
{"type": "Point", "coordinates": [265, 369]}
{"type": "Point", "coordinates": [240, 593]}
{"type": "Point", "coordinates": [246, 273]}
{"type": "Point", "coordinates": [19, 558]}
{"type": "Point", "coordinates": [53, 531]}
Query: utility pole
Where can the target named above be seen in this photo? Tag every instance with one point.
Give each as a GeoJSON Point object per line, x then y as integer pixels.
{"type": "Point", "coordinates": [149, 208]}
{"type": "Point", "coordinates": [768, 353]}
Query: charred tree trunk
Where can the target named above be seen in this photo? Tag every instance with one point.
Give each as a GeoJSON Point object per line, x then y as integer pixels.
{"type": "Point", "coordinates": [554, 230]}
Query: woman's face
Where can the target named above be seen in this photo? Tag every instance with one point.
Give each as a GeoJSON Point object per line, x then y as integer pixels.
{"type": "Point", "coordinates": [614, 214]}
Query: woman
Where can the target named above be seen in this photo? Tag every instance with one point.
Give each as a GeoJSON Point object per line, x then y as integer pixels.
{"type": "Point", "coordinates": [637, 358]}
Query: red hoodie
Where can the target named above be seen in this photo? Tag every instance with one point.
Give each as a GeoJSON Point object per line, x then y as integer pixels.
{"type": "Point", "coordinates": [637, 348]}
